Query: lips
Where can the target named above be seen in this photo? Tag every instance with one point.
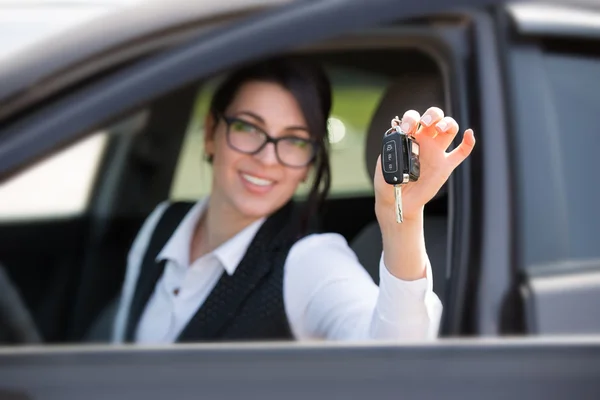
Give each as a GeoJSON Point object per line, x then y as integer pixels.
{"type": "Point", "coordinates": [256, 184]}
{"type": "Point", "coordinates": [257, 181]}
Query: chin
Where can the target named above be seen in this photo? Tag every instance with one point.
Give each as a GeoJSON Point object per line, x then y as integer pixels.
{"type": "Point", "coordinates": [255, 209]}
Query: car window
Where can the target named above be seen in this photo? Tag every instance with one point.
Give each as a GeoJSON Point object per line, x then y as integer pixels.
{"type": "Point", "coordinates": [55, 187]}
{"type": "Point", "coordinates": [62, 184]}
{"type": "Point", "coordinates": [356, 94]}
{"type": "Point", "coordinates": [574, 82]}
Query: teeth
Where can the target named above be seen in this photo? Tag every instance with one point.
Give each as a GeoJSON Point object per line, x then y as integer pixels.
{"type": "Point", "coordinates": [257, 181]}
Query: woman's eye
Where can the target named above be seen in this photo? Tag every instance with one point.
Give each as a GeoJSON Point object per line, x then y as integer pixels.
{"type": "Point", "coordinates": [302, 144]}
{"type": "Point", "coordinates": [240, 126]}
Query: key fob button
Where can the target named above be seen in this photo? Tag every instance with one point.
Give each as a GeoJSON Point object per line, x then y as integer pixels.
{"type": "Point", "coordinates": [390, 165]}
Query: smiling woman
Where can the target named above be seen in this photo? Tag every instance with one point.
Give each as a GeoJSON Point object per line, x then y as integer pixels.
{"type": "Point", "coordinates": [280, 99]}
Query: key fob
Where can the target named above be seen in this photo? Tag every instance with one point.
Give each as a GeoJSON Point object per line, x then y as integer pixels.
{"type": "Point", "coordinates": [392, 158]}
{"type": "Point", "coordinates": [399, 162]}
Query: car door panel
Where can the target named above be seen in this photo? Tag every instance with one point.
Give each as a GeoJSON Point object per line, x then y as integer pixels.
{"type": "Point", "coordinates": [517, 369]}
{"type": "Point", "coordinates": [554, 95]}
{"type": "Point", "coordinates": [564, 302]}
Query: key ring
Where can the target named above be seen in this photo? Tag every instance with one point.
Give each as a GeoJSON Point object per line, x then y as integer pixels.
{"type": "Point", "coordinates": [394, 127]}
{"type": "Point", "coordinates": [397, 128]}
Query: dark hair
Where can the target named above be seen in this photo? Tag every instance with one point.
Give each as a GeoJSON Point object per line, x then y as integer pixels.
{"type": "Point", "coordinates": [311, 88]}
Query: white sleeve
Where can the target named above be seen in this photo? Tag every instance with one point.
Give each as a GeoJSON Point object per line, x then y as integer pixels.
{"type": "Point", "coordinates": [134, 263]}
{"type": "Point", "coordinates": [329, 295]}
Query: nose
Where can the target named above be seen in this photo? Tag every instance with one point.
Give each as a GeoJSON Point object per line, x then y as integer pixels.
{"type": "Point", "coordinates": [267, 155]}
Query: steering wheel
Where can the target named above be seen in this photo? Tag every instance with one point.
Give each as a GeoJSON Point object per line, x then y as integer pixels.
{"type": "Point", "coordinates": [16, 322]}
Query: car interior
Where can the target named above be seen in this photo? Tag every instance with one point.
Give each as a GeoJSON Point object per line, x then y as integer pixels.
{"type": "Point", "coordinates": [67, 265]}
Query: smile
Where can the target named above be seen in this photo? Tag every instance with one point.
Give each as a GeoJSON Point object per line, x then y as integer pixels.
{"type": "Point", "coordinates": [257, 181]}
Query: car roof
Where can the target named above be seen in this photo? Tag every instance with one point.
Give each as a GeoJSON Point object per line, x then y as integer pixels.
{"type": "Point", "coordinates": [25, 22]}
{"type": "Point", "coordinates": [63, 59]}
{"type": "Point", "coordinates": [112, 30]}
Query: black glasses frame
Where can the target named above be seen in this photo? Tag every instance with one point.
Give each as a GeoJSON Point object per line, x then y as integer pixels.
{"type": "Point", "coordinates": [268, 139]}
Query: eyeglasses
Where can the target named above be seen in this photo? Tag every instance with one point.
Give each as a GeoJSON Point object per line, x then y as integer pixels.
{"type": "Point", "coordinates": [291, 151]}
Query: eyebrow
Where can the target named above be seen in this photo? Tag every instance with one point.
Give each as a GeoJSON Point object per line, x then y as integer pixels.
{"type": "Point", "coordinates": [262, 121]}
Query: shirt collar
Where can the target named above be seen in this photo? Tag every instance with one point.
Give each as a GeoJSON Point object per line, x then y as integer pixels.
{"type": "Point", "coordinates": [229, 253]}
{"type": "Point", "coordinates": [177, 248]}
{"type": "Point", "coordinates": [232, 251]}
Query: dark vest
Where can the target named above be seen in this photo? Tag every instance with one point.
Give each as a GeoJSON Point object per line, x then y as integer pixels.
{"type": "Point", "coordinates": [247, 305]}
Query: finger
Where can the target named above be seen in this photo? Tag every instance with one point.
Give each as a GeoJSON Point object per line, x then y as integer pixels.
{"type": "Point", "coordinates": [378, 166]}
{"type": "Point", "coordinates": [410, 120]}
{"type": "Point", "coordinates": [458, 155]}
{"type": "Point", "coordinates": [429, 119]}
{"type": "Point", "coordinates": [446, 128]}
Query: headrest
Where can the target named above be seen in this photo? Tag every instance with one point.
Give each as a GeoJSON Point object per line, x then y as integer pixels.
{"type": "Point", "coordinates": [409, 92]}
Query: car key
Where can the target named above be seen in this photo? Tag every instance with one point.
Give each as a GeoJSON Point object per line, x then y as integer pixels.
{"type": "Point", "coordinates": [400, 162]}
{"type": "Point", "coordinates": [392, 160]}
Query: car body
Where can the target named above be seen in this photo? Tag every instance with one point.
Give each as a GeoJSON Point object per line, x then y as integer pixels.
{"type": "Point", "coordinates": [102, 122]}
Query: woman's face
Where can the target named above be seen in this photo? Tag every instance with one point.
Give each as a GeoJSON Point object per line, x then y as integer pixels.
{"type": "Point", "coordinates": [256, 185]}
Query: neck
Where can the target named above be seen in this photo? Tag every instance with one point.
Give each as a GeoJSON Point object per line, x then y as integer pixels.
{"type": "Point", "coordinates": [219, 223]}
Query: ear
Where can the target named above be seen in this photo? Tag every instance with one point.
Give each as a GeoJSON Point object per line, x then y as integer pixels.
{"type": "Point", "coordinates": [210, 126]}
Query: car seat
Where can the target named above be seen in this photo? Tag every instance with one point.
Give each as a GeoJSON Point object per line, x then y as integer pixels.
{"type": "Point", "coordinates": [16, 323]}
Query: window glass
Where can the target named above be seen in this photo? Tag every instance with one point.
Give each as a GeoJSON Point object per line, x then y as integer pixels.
{"type": "Point", "coordinates": [58, 186]}
{"type": "Point", "coordinates": [355, 97]}
{"type": "Point", "coordinates": [574, 82]}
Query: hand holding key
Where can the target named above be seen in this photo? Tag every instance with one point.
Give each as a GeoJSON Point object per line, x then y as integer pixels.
{"type": "Point", "coordinates": [434, 133]}
{"type": "Point", "coordinates": [404, 250]}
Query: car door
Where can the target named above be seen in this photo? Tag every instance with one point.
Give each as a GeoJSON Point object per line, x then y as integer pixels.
{"type": "Point", "coordinates": [515, 369]}
{"type": "Point", "coordinates": [477, 369]}
{"type": "Point", "coordinates": [553, 65]}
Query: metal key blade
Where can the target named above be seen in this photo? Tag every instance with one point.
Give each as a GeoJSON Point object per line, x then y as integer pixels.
{"type": "Point", "coordinates": [398, 197]}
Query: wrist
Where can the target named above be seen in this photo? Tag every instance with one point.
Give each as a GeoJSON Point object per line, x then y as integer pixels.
{"type": "Point", "coordinates": [404, 251]}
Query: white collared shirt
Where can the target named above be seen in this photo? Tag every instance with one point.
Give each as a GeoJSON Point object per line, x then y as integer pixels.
{"type": "Point", "coordinates": [327, 293]}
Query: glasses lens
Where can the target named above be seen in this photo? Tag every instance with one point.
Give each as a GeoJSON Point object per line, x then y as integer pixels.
{"type": "Point", "coordinates": [244, 137]}
{"type": "Point", "coordinates": [295, 152]}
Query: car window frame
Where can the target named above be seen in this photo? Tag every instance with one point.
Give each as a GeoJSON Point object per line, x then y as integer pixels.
{"type": "Point", "coordinates": [74, 114]}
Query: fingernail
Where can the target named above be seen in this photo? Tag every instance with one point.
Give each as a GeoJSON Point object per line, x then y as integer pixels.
{"type": "Point", "coordinates": [405, 127]}
{"type": "Point", "coordinates": [441, 126]}
{"type": "Point", "coordinates": [426, 120]}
